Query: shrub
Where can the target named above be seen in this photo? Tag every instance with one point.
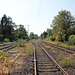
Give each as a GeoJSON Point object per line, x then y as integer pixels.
{"type": "Point", "coordinates": [67, 62]}
{"type": "Point", "coordinates": [6, 40]}
{"type": "Point", "coordinates": [64, 63]}
{"type": "Point", "coordinates": [72, 40]}
{"type": "Point", "coordinates": [60, 36]}
{"type": "Point", "coordinates": [21, 43]}
{"type": "Point", "coordinates": [28, 51]}
{"type": "Point", "coordinates": [52, 38]}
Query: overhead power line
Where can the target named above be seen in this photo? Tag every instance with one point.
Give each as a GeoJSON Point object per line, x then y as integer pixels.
{"type": "Point", "coordinates": [38, 14]}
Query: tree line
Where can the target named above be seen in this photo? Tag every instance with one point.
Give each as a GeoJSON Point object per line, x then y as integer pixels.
{"type": "Point", "coordinates": [63, 28]}
{"type": "Point", "coordinates": [11, 31]}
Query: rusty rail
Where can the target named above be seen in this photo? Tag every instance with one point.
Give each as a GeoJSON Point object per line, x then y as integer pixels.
{"type": "Point", "coordinates": [7, 47]}
{"type": "Point", "coordinates": [69, 50]}
{"type": "Point", "coordinates": [61, 69]}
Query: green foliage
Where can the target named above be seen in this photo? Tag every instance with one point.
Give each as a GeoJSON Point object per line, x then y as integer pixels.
{"type": "Point", "coordinates": [6, 40]}
{"type": "Point", "coordinates": [48, 39]}
{"type": "Point", "coordinates": [60, 36]}
{"type": "Point", "coordinates": [43, 35]}
{"type": "Point", "coordinates": [21, 32]}
{"type": "Point", "coordinates": [60, 55]}
{"type": "Point", "coordinates": [1, 36]}
{"type": "Point", "coordinates": [28, 51]}
{"type": "Point", "coordinates": [51, 49]}
{"type": "Point", "coordinates": [33, 36]}
{"type": "Point", "coordinates": [52, 38]}
{"type": "Point", "coordinates": [67, 62]}
{"type": "Point", "coordinates": [10, 30]}
{"type": "Point", "coordinates": [72, 40]}
{"type": "Point", "coordinates": [21, 43]}
{"type": "Point", "coordinates": [65, 52]}
{"type": "Point", "coordinates": [49, 32]}
{"type": "Point", "coordinates": [71, 56]}
{"type": "Point", "coordinates": [63, 25]}
{"type": "Point", "coordinates": [7, 27]}
{"type": "Point", "coordinates": [71, 31]}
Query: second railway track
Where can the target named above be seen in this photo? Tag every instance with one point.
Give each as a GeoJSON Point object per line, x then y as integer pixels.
{"type": "Point", "coordinates": [67, 49]}
{"type": "Point", "coordinates": [7, 47]}
{"type": "Point", "coordinates": [44, 64]}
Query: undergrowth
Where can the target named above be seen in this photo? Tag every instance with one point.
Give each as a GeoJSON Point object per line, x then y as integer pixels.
{"type": "Point", "coordinates": [29, 48]}
{"type": "Point", "coordinates": [51, 49]}
{"type": "Point", "coordinates": [67, 62]}
{"type": "Point", "coordinates": [21, 43]}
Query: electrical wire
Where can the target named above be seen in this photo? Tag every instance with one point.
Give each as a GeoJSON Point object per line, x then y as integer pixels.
{"type": "Point", "coordinates": [38, 14]}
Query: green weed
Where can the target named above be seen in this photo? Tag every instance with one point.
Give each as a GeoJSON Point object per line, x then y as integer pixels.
{"type": "Point", "coordinates": [66, 62]}
{"type": "Point", "coordinates": [60, 55]}
{"type": "Point", "coordinates": [51, 49]}
{"type": "Point", "coordinates": [21, 43]}
{"type": "Point", "coordinates": [65, 52]}
{"type": "Point", "coordinates": [28, 51]}
{"type": "Point", "coordinates": [71, 56]}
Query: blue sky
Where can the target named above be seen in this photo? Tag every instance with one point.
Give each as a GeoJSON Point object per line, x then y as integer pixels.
{"type": "Point", "coordinates": [38, 14]}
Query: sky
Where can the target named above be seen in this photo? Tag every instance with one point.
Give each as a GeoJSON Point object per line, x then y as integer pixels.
{"type": "Point", "coordinates": [38, 14]}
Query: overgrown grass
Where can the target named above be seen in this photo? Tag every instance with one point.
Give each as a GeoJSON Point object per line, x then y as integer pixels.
{"type": "Point", "coordinates": [65, 52]}
{"type": "Point", "coordinates": [28, 51]}
{"type": "Point", "coordinates": [29, 48]}
{"type": "Point", "coordinates": [51, 49]}
{"type": "Point", "coordinates": [21, 43]}
{"type": "Point", "coordinates": [60, 56]}
{"type": "Point", "coordinates": [22, 54]}
{"type": "Point", "coordinates": [67, 62]}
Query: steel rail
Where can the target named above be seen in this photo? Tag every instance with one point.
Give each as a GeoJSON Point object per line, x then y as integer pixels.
{"type": "Point", "coordinates": [63, 48]}
{"type": "Point", "coordinates": [35, 62]}
{"type": "Point", "coordinates": [7, 47]}
{"type": "Point", "coordinates": [61, 69]}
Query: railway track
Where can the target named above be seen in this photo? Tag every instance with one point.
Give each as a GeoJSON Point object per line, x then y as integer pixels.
{"type": "Point", "coordinates": [44, 64]}
{"type": "Point", "coordinates": [7, 47]}
{"type": "Point", "coordinates": [4, 45]}
{"type": "Point", "coordinates": [67, 49]}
